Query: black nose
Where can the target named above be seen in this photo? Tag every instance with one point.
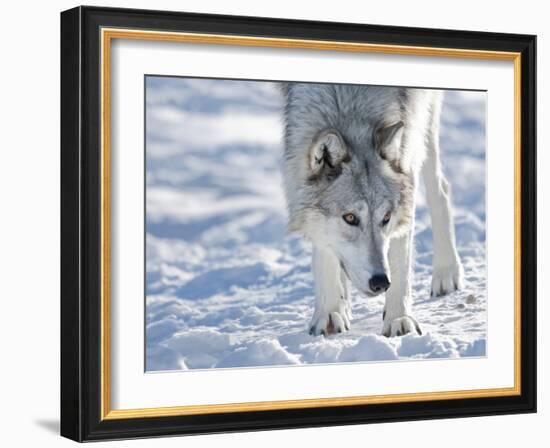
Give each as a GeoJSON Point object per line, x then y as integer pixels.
{"type": "Point", "coordinates": [379, 283]}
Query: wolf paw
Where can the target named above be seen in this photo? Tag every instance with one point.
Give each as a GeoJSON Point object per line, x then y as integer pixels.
{"type": "Point", "coordinates": [447, 278]}
{"type": "Point", "coordinates": [400, 326]}
{"type": "Point", "coordinates": [327, 323]}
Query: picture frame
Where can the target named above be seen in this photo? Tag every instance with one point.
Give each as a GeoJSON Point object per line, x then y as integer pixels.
{"type": "Point", "coordinates": [86, 207]}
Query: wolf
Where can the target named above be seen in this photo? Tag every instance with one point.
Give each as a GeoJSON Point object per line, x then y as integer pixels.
{"type": "Point", "coordinates": [353, 156]}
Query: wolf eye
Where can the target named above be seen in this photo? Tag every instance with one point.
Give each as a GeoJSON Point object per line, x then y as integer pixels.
{"type": "Point", "coordinates": [386, 218]}
{"type": "Point", "coordinates": [351, 219]}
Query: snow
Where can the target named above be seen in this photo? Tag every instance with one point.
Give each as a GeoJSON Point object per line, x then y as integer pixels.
{"type": "Point", "coordinates": [226, 286]}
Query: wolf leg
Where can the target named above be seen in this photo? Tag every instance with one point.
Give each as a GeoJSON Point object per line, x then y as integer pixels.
{"type": "Point", "coordinates": [332, 311]}
{"type": "Point", "coordinates": [397, 316]}
{"type": "Point", "coordinates": [448, 273]}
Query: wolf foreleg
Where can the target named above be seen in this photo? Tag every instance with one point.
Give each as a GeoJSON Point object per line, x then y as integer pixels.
{"type": "Point", "coordinates": [397, 316]}
{"type": "Point", "coordinates": [332, 311]}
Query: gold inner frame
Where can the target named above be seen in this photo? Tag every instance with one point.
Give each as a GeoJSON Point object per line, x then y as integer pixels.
{"type": "Point", "coordinates": [107, 35]}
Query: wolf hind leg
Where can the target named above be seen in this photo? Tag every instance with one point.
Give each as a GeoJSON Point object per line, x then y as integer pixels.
{"type": "Point", "coordinates": [448, 273]}
{"type": "Point", "coordinates": [397, 318]}
{"type": "Point", "coordinates": [332, 312]}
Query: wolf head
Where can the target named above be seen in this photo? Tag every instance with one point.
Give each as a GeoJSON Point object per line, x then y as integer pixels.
{"type": "Point", "coordinates": [348, 181]}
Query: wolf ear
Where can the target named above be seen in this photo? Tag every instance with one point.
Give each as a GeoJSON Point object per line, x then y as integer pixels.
{"type": "Point", "coordinates": [328, 151]}
{"type": "Point", "coordinates": [387, 140]}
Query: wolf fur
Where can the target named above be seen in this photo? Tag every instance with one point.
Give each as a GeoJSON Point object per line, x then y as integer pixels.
{"type": "Point", "coordinates": [353, 158]}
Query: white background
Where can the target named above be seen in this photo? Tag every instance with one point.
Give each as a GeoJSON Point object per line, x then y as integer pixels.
{"type": "Point", "coordinates": [132, 388]}
{"type": "Point", "coordinates": [29, 236]}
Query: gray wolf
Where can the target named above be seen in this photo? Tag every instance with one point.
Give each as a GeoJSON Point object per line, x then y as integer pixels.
{"type": "Point", "coordinates": [352, 162]}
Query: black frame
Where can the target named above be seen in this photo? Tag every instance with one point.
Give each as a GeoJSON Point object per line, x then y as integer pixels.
{"type": "Point", "coordinates": [80, 224]}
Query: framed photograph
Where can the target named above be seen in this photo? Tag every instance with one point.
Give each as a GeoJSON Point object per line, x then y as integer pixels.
{"type": "Point", "coordinates": [276, 224]}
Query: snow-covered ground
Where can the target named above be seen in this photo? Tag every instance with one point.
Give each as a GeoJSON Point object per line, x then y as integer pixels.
{"type": "Point", "coordinates": [226, 287]}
